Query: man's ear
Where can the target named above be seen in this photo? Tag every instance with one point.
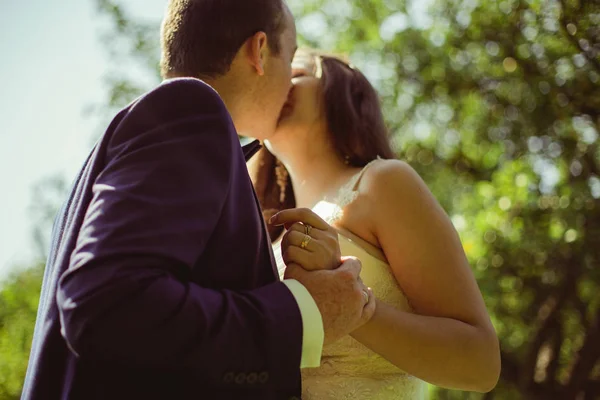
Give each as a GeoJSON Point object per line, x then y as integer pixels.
{"type": "Point", "coordinates": [257, 50]}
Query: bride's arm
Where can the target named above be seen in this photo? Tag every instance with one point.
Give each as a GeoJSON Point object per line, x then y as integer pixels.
{"type": "Point", "coordinates": [450, 341]}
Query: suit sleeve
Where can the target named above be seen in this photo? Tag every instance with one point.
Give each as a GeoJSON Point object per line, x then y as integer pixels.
{"type": "Point", "coordinates": [127, 296]}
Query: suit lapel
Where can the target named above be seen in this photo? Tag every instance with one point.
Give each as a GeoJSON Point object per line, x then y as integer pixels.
{"type": "Point", "coordinates": [250, 149]}
{"type": "Point", "coordinates": [266, 234]}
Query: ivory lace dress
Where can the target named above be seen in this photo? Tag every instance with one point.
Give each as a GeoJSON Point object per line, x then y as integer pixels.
{"type": "Point", "coordinates": [348, 369]}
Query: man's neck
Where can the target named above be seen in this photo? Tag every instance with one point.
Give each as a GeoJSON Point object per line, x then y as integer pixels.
{"type": "Point", "coordinates": [223, 87]}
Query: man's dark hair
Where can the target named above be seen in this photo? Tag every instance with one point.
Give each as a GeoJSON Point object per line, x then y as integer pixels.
{"type": "Point", "coordinates": [200, 38]}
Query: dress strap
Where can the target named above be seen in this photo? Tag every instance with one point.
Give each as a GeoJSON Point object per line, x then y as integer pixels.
{"type": "Point", "coordinates": [356, 179]}
{"type": "Point", "coordinates": [347, 192]}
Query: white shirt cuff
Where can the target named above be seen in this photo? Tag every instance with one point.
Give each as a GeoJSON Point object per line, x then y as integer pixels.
{"type": "Point", "coordinates": [313, 334]}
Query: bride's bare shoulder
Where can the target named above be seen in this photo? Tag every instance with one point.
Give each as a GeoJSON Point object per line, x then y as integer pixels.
{"type": "Point", "coordinates": [381, 189]}
{"type": "Point", "coordinates": [393, 185]}
{"type": "Point", "coordinates": [385, 175]}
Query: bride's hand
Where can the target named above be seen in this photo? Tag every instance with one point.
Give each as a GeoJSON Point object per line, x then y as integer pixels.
{"type": "Point", "coordinates": [309, 242]}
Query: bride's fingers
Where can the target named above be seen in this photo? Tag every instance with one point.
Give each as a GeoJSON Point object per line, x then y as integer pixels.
{"type": "Point", "coordinates": [314, 233]}
{"type": "Point", "coordinates": [294, 271]}
{"type": "Point", "coordinates": [310, 261]}
{"type": "Point", "coordinates": [296, 255]}
{"type": "Point", "coordinates": [304, 215]}
{"type": "Point", "coordinates": [296, 238]}
{"type": "Point", "coordinates": [298, 227]}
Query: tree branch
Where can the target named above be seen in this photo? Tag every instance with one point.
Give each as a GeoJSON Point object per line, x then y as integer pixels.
{"type": "Point", "coordinates": [587, 357]}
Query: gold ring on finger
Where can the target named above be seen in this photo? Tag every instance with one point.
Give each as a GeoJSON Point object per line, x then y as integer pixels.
{"type": "Point", "coordinates": [307, 229]}
{"type": "Point", "coordinates": [305, 241]}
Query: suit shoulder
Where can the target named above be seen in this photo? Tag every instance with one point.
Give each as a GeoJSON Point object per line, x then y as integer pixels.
{"type": "Point", "coordinates": [186, 94]}
{"type": "Point", "coordinates": [177, 100]}
{"type": "Point", "coordinates": [176, 106]}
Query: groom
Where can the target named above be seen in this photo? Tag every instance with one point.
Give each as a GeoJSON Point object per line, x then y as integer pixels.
{"type": "Point", "coordinates": [161, 283]}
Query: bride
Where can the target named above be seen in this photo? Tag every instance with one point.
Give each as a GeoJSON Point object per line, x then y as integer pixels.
{"type": "Point", "coordinates": [331, 154]}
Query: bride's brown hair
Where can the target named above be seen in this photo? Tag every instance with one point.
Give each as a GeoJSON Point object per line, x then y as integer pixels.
{"type": "Point", "coordinates": [354, 121]}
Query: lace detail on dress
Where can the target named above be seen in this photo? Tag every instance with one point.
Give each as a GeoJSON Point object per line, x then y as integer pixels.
{"type": "Point", "coordinates": [360, 388]}
{"type": "Point", "coordinates": [350, 370]}
{"type": "Point", "coordinates": [347, 193]}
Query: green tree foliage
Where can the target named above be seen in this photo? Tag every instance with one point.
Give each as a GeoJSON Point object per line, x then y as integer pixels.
{"type": "Point", "coordinates": [20, 292]}
{"type": "Point", "coordinates": [497, 104]}
{"type": "Point", "coordinates": [18, 307]}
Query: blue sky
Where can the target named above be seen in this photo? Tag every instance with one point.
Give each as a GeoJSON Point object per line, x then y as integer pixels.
{"type": "Point", "coordinates": [52, 67]}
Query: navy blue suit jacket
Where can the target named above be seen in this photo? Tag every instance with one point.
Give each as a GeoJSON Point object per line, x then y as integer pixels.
{"type": "Point", "coordinates": [160, 283]}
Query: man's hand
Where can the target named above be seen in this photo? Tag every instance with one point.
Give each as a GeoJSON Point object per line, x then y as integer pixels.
{"type": "Point", "coordinates": [311, 252]}
{"type": "Point", "coordinates": [309, 241]}
{"type": "Point", "coordinates": [344, 301]}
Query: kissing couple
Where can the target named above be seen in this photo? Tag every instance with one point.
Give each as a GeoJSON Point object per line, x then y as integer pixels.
{"type": "Point", "coordinates": [321, 269]}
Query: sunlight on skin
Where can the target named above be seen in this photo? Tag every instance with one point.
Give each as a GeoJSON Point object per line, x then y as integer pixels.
{"type": "Point", "coordinates": [325, 208]}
